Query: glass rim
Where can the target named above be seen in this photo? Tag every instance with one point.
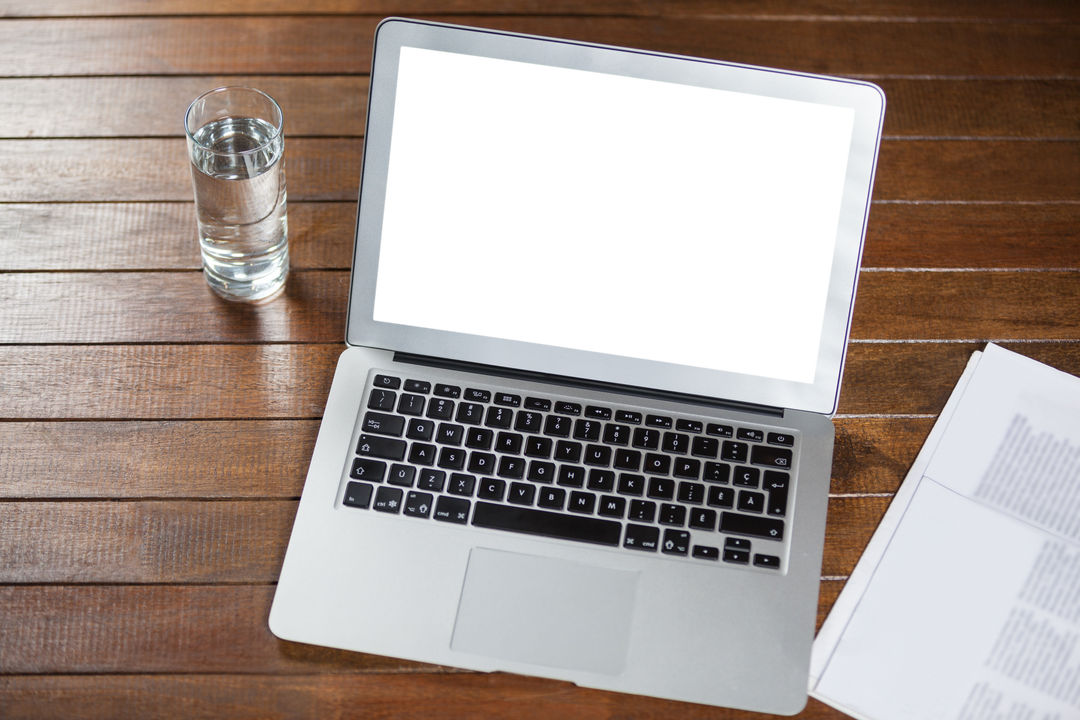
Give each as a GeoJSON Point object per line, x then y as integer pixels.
{"type": "Point", "coordinates": [279, 127]}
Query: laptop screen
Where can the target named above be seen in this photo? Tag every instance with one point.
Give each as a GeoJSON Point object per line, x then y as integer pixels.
{"type": "Point", "coordinates": [611, 214]}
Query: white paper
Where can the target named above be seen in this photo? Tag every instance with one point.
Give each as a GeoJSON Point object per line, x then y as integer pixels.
{"type": "Point", "coordinates": [966, 603]}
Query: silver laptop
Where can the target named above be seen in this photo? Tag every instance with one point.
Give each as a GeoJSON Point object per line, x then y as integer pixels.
{"type": "Point", "coordinates": [599, 309]}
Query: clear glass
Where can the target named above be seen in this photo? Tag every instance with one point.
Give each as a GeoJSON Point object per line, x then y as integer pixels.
{"type": "Point", "coordinates": [236, 146]}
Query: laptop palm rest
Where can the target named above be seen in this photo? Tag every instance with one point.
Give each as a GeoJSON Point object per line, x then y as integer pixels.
{"type": "Point", "coordinates": [545, 611]}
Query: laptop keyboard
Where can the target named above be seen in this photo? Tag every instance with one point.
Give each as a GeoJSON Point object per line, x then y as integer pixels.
{"type": "Point", "coordinates": [557, 468]}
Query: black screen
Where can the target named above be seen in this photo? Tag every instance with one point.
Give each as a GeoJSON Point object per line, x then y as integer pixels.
{"type": "Point", "coordinates": [610, 214]}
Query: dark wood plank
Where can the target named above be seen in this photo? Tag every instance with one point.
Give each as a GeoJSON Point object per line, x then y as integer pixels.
{"type": "Point", "coordinates": [404, 696]}
{"type": "Point", "coordinates": [125, 170]}
{"type": "Point", "coordinates": [170, 459]}
{"type": "Point", "coordinates": [143, 107]}
{"type": "Point", "coordinates": [873, 455]}
{"type": "Point", "coordinates": [335, 106]}
{"type": "Point", "coordinates": [342, 45]}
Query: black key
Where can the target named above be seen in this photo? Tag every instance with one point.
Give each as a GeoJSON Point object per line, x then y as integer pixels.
{"type": "Point", "coordinates": [383, 424]}
{"type": "Point", "coordinates": [358, 495]}
{"type": "Point", "coordinates": [557, 426]}
{"type": "Point", "coordinates": [509, 443]}
{"type": "Point", "coordinates": [551, 497]}
{"type": "Point", "coordinates": [370, 470]}
{"type": "Point", "coordinates": [672, 514]}
{"type": "Point", "coordinates": [659, 421]}
{"type": "Point", "coordinates": [470, 413]}
{"type": "Point", "coordinates": [600, 413]}
{"type": "Point", "coordinates": [418, 386]}
{"type": "Point", "coordinates": [631, 484]}
{"type": "Point", "coordinates": [381, 447]}
{"type": "Point", "coordinates": [450, 434]}
{"type": "Point", "coordinates": [420, 429]}
{"type": "Point", "coordinates": [450, 391]}
{"type": "Point", "coordinates": [616, 434]}
{"type": "Point", "coordinates": [734, 451]}
{"type": "Point", "coordinates": [716, 472]}
{"type": "Point", "coordinates": [547, 524]}
{"type": "Point", "coordinates": [719, 430]}
{"type": "Point", "coordinates": [540, 404]}
{"type": "Point", "coordinates": [611, 506]}
{"type": "Point", "coordinates": [474, 395]}
{"type": "Point", "coordinates": [440, 409]}
{"type": "Point", "coordinates": [676, 542]}
{"type": "Point", "coordinates": [402, 475]}
{"type": "Point", "coordinates": [721, 497]}
{"type": "Point", "coordinates": [455, 510]}
{"type": "Point", "coordinates": [656, 464]}
{"type": "Point", "coordinates": [767, 561]}
{"type": "Point", "coordinates": [646, 439]}
{"type": "Point", "coordinates": [567, 408]}
{"type": "Point", "coordinates": [382, 400]}
{"type": "Point", "coordinates": [597, 455]}
{"type": "Point", "coordinates": [387, 500]}
{"type": "Point", "coordinates": [508, 399]}
{"type": "Point", "coordinates": [686, 468]}
{"type": "Point", "coordinates": [704, 552]}
{"type": "Point", "coordinates": [642, 510]}
{"type": "Point", "coordinates": [676, 443]}
{"type": "Point", "coordinates": [566, 451]}
{"type": "Point", "coordinates": [529, 422]}
{"type": "Point", "coordinates": [701, 519]}
{"type": "Point", "coordinates": [750, 434]}
{"type": "Point", "coordinates": [582, 502]}
{"type": "Point", "coordinates": [740, 557]}
{"type": "Point", "coordinates": [661, 488]}
{"type": "Point", "coordinates": [746, 477]}
{"type": "Point", "coordinates": [521, 494]}
{"type": "Point", "coordinates": [431, 480]}
{"type": "Point", "coordinates": [492, 489]}
{"type": "Point", "coordinates": [541, 471]}
{"type": "Point", "coordinates": [601, 480]}
{"type": "Point", "coordinates": [692, 426]}
{"type": "Point", "coordinates": [452, 458]}
{"type": "Point", "coordinates": [479, 438]}
{"type": "Point", "coordinates": [641, 537]}
{"type": "Point", "coordinates": [511, 467]}
{"type": "Point", "coordinates": [387, 382]}
{"type": "Point", "coordinates": [461, 484]}
{"type": "Point", "coordinates": [781, 439]}
{"type": "Point", "coordinates": [481, 463]}
{"type": "Point", "coordinates": [538, 447]}
{"type": "Point", "coordinates": [751, 526]}
{"type": "Point", "coordinates": [777, 485]}
{"type": "Point", "coordinates": [588, 430]}
{"type": "Point", "coordinates": [737, 544]}
{"type": "Point", "coordinates": [771, 456]}
{"type": "Point", "coordinates": [499, 417]}
{"type": "Point", "coordinates": [626, 416]}
{"type": "Point", "coordinates": [627, 459]}
{"type": "Point", "coordinates": [691, 493]}
{"type": "Point", "coordinates": [571, 475]}
{"type": "Point", "coordinates": [705, 447]}
{"type": "Point", "coordinates": [418, 504]}
{"type": "Point", "coordinates": [410, 404]}
{"type": "Point", "coordinates": [750, 501]}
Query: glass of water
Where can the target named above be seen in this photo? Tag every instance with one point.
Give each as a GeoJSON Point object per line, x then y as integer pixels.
{"type": "Point", "coordinates": [236, 148]}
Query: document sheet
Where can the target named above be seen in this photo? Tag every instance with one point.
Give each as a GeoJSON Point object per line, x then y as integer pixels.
{"type": "Point", "coordinates": [966, 602]}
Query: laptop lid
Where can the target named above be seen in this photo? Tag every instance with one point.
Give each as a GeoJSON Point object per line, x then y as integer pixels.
{"type": "Point", "coordinates": [617, 216]}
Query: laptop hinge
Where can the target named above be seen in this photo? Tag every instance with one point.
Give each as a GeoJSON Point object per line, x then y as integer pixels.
{"type": "Point", "coordinates": [584, 384]}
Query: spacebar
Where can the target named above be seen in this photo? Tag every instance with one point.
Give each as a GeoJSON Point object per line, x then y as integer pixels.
{"type": "Point", "coordinates": [548, 524]}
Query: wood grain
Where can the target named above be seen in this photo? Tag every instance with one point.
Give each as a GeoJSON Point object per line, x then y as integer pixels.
{"type": "Point", "coordinates": [304, 45]}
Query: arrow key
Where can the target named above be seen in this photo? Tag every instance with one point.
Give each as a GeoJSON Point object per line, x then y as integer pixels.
{"type": "Point", "coordinates": [676, 542]}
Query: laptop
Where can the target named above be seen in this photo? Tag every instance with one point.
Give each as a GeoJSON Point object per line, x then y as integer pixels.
{"type": "Point", "coordinates": [598, 313]}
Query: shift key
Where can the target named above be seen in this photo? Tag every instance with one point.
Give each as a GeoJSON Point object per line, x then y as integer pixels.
{"type": "Point", "coordinates": [381, 447]}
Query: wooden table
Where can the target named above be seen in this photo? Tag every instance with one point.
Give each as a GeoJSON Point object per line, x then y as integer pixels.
{"type": "Point", "coordinates": [154, 439]}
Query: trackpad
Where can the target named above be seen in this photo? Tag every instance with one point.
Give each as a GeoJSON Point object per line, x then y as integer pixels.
{"type": "Point", "coordinates": [544, 611]}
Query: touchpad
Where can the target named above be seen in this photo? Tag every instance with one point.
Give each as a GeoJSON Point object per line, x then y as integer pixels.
{"type": "Point", "coordinates": [544, 611]}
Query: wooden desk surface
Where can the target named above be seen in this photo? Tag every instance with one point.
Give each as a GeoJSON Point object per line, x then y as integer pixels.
{"type": "Point", "coordinates": [154, 440]}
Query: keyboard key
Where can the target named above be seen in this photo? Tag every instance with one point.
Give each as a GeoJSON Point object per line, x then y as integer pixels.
{"type": "Point", "coordinates": [721, 497]}
{"type": "Point", "coordinates": [552, 498]}
{"type": "Point", "coordinates": [507, 399]}
{"type": "Point", "coordinates": [541, 471]}
{"type": "Point", "coordinates": [547, 524]}
{"type": "Point", "coordinates": [402, 475]}
{"type": "Point", "coordinates": [750, 434]}
{"type": "Point", "coordinates": [656, 464]}
{"type": "Point", "coordinates": [529, 422]}
{"type": "Point", "coordinates": [382, 400]}
{"type": "Point", "coordinates": [767, 561]}
{"type": "Point", "coordinates": [449, 509]}
{"type": "Point", "coordinates": [691, 493]}
{"type": "Point", "coordinates": [588, 430]}
{"type": "Point", "coordinates": [450, 391]}
{"type": "Point", "coordinates": [626, 416]}
{"type": "Point", "coordinates": [746, 477]}
{"type": "Point", "coordinates": [474, 395]}
{"type": "Point", "coordinates": [705, 447]}
{"type": "Point", "coordinates": [672, 514]}
{"type": "Point", "coordinates": [597, 455]}
{"type": "Point", "coordinates": [571, 476]}
{"type": "Point", "coordinates": [557, 426]}
{"type": "Point", "coordinates": [521, 494]}
{"type": "Point", "coordinates": [582, 502]}
{"type": "Point", "coordinates": [646, 439]}
{"type": "Point", "coordinates": [611, 506]}
{"type": "Point", "coordinates": [538, 447]}
{"type": "Point", "coordinates": [601, 480]}
{"type": "Point", "coordinates": [719, 430]}
{"type": "Point", "coordinates": [661, 488]}
{"type": "Point", "coordinates": [452, 458]}
{"type": "Point", "coordinates": [540, 404]}
{"type": "Point", "coordinates": [737, 544]}
{"type": "Point", "coordinates": [499, 417]}
{"type": "Point", "coordinates": [566, 451]}
{"type": "Point", "coordinates": [411, 404]}
{"type": "Point", "coordinates": [388, 500]}
{"type": "Point", "coordinates": [567, 408]}
{"type": "Point", "coordinates": [704, 552]}
{"type": "Point", "coordinates": [511, 467]}
{"type": "Point", "coordinates": [716, 472]}
{"type": "Point", "coordinates": [492, 489]}
{"type": "Point", "coordinates": [509, 443]}
{"type": "Point", "coordinates": [386, 381]}
{"type": "Point", "coordinates": [440, 409]}
{"type": "Point", "coordinates": [449, 434]}
{"type": "Point", "coordinates": [418, 504]}
{"type": "Point", "coordinates": [358, 495]}
{"type": "Point", "coordinates": [627, 459]}
{"type": "Point", "coordinates": [691, 426]}
{"type": "Point", "coordinates": [781, 439]}
{"type": "Point", "coordinates": [470, 413]}
{"type": "Point", "coordinates": [734, 451]}
{"type": "Point", "coordinates": [701, 519]}
{"type": "Point", "coordinates": [615, 434]}
{"type": "Point", "coordinates": [381, 447]}
{"type": "Point", "coordinates": [641, 537]}
{"type": "Point", "coordinates": [642, 510]}
{"type": "Point", "coordinates": [370, 470]}
{"type": "Point", "coordinates": [676, 542]}
{"type": "Point", "coordinates": [431, 480]}
{"type": "Point", "coordinates": [461, 484]}
{"type": "Point", "coordinates": [479, 438]}
{"type": "Point", "coordinates": [740, 557]}
{"type": "Point", "coordinates": [771, 456]}
{"type": "Point", "coordinates": [481, 463]}
{"type": "Point", "coordinates": [659, 421]}
{"type": "Point", "coordinates": [383, 424]}
{"type": "Point", "coordinates": [750, 501]}
{"type": "Point", "coordinates": [751, 526]}
{"type": "Point", "coordinates": [686, 468]}
{"type": "Point", "coordinates": [600, 413]}
{"type": "Point", "coordinates": [677, 443]}
{"type": "Point", "coordinates": [631, 484]}
{"type": "Point", "coordinates": [420, 429]}
{"type": "Point", "coordinates": [418, 386]}
{"type": "Point", "coordinates": [777, 485]}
